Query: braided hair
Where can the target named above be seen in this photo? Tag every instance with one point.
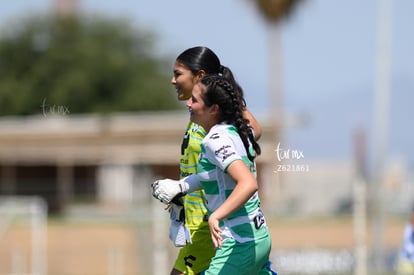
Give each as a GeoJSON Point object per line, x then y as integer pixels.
{"type": "Point", "coordinates": [220, 91]}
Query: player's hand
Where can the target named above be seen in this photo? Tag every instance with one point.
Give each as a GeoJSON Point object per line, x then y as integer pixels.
{"type": "Point", "coordinates": [166, 190]}
{"type": "Point", "coordinates": [215, 231]}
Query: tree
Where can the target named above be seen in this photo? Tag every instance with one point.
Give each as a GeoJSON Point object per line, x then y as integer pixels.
{"type": "Point", "coordinates": [274, 11]}
{"type": "Point", "coordinates": [86, 64]}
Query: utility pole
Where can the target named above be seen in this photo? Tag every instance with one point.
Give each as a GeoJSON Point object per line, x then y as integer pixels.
{"type": "Point", "coordinates": [359, 210]}
{"type": "Point", "coordinates": [382, 87]}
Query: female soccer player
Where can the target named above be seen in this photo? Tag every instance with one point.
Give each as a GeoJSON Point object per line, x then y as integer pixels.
{"type": "Point", "coordinates": [190, 66]}
{"type": "Point", "coordinates": [226, 172]}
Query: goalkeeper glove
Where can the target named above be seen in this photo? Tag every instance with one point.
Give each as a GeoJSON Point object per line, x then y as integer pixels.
{"type": "Point", "coordinates": [166, 190]}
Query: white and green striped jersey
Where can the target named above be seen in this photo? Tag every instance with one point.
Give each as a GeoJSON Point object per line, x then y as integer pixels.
{"type": "Point", "coordinates": [221, 146]}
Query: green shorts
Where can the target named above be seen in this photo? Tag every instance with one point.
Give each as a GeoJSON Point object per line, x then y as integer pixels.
{"type": "Point", "coordinates": [196, 257]}
{"type": "Point", "coordinates": [235, 258]}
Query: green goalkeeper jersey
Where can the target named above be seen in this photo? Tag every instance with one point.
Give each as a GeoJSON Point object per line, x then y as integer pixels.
{"type": "Point", "coordinates": [194, 203]}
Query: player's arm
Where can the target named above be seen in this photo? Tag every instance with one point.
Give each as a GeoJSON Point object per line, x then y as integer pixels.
{"type": "Point", "coordinates": [246, 186]}
{"type": "Point", "coordinates": [253, 123]}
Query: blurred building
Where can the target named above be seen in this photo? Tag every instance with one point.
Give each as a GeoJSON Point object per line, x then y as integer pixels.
{"type": "Point", "coordinates": [100, 159]}
{"type": "Point", "coordinates": [113, 159]}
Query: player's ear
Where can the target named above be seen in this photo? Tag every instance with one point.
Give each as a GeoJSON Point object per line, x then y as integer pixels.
{"type": "Point", "coordinates": [214, 110]}
{"type": "Point", "coordinates": [200, 74]}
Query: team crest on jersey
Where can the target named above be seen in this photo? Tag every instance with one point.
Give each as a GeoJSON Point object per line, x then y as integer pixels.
{"type": "Point", "coordinates": [224, 152]}
{"type": "Point", "coordinates": [215, 136]}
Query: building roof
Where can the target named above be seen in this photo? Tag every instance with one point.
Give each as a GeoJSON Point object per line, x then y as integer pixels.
{"type": "Point", "coordinates": [148, 137]}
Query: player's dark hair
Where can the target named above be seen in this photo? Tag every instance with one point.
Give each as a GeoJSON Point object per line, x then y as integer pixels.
{"type": "Point", "coordinates": [202, 58]}
{"type": "Point", "coordinates": [219, 90]}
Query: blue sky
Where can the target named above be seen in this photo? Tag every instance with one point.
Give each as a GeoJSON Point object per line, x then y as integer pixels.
{"type": "Point", "coordinates": [328, 54]}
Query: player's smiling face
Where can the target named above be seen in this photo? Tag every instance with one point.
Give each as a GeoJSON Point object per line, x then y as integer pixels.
{"type": "Point", "coordinates": [183, 80]}
{"type": "Point", "coordinates": [200, 113]}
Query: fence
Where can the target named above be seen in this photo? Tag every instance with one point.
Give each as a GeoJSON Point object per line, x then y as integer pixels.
{"type": "Point", "coordinates": [23, 235]}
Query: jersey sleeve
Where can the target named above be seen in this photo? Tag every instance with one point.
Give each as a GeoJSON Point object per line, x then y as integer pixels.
{"type": "Point", "coordinates": [220, 150]}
